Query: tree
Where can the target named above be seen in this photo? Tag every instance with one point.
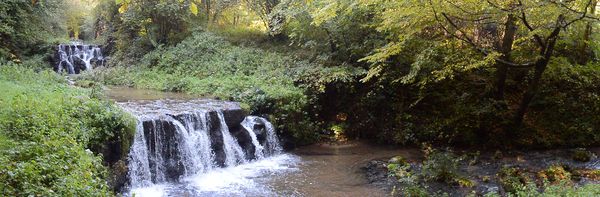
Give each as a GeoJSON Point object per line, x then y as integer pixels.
{"type": "Point", "coordinates": [25, 26]}
{"type": "Point", "coordinates": [264, 9]}
{"type": "Point", "coordinates": [162, 22]}
{"type": "Point", "coordinates": [493, 29]}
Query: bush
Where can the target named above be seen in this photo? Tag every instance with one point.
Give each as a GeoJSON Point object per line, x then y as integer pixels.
{"type": "Point", "coordinates": [555, 173]}
{"type": "Point", "coordinates": [512, 178]}
{"type": "Point", "coordinates": [441, 166]}
{"type": "Point", "coordinates": [55, 134]}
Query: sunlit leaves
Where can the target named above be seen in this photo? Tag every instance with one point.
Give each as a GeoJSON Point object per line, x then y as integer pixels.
{"type": "Point", "coordinates": [193, 8]}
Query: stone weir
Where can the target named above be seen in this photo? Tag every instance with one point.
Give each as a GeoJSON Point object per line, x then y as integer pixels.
{"type": "Point", "coordinates": [176, 139]}
{"type": "Point", "coordinates": [74, 58]}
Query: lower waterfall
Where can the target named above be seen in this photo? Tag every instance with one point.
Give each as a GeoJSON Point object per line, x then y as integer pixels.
{"type": "Point", "coordinates": [176, 141]}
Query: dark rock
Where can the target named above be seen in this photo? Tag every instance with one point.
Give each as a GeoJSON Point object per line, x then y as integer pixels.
{"type": "Point", "coordinates": [216, 138]}
{"type": "Point", "coordinates": [376, 172]}
{"type": "Point", "coordinates": [163, 145]}
{"type": "Point", "coordinates": [233, 117]}
{"type": "Point", "coordinates": [118, 176]}
{"type": "Point", "coordinates": [245, 142]}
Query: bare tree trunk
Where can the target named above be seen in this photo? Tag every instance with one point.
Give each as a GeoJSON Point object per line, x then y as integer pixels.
{"type": "Point", "coordinates": [510, 28]}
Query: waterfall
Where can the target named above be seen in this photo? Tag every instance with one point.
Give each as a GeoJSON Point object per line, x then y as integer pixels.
{"type": "Point", "coordinates": [256, 125]}
{"type": "Point", "coordinates": [75, 57]}
{"type": "Point", "coordinates": [273, 146]}
{"type": "Point", "coordinates": [197, 155]}
{"type": "Point", "coordinates": [233, 151]}
{"type": "Point", "coordinates": [248, 125]}
{"type": "Point", "coordinates": [178, 139]}
{"type": "Point", "coordinates": [139, 168]}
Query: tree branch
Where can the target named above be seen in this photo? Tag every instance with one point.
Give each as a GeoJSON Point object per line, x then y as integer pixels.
{"type": "Point", "coordinates": [470, 41]}
{"type": "Point", "coordinates": [584, 14]}
{"type": "Point", "coordinates": [523, 18]}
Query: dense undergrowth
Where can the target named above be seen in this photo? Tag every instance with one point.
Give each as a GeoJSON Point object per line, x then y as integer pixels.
{"type": "Point", "coordinates": [52, 135]}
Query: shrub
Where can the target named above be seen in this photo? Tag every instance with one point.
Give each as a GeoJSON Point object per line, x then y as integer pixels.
{"type": "Point", "coordinates": [55, 134]}
{"type": "Point", "coordinates": [512, 178]}
{"type": "Point", "coordinates": [441, 166]}
{"type": "Point", "coordinates": [555, 173]}
{"type": "Point", "coordinates": [582, 155]}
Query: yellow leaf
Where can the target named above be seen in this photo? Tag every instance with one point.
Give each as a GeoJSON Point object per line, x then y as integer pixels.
{"type": "Point", "coordinates": [194, 8]}
{"type": "Point", "coordinates": [123, 8]}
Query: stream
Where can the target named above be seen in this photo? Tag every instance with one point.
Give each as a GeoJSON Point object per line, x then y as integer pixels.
{"type": "Point", "coordinates": [315, 170]}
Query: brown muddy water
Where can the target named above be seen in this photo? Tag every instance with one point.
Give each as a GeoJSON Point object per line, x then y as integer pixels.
{"type": "Point", "coordinates": [123, 94]}
{"type": "Point", "coordinates": [336, 170]}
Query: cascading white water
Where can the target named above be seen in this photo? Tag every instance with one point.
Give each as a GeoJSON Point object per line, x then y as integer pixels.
{"type": "Point", "coordinates": [147, 161]}
{"type": "Point", "coordinates": [139, 168]}
{"type": "Point", "coordinates": [233, 151]}
{"type": "Point", "coordinates": [69, 56]}
{"type": "Point", "coordinates": [196, 152]}
{"type": "Point", "coordinates": [271, 145]}
{"type": "Point", "coordinates": [186, 141]}
{"type": "Point", "coordinates": [248, 125]}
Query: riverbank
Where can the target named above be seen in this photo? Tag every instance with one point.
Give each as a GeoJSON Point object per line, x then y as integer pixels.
{"type": "Point", "coordinates": [575, 172]}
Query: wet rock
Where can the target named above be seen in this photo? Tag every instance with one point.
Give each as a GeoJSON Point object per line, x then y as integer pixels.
{"type": "Point", "coordinates": [397, 160]}
{"type": "Point", "coordinates": [245, 142]}
{"type": "Point", "coordinates": [216, 138]}
{"type": "Point", "coordinates": [118, 176]}
{"type": "Point", "coordinates": [376, 172]}
{"type": "Point", "coordinates": [162, 142]}
{"type": "Point", "coordinates": [233, 117]}
{"type": "Point", "coordinates": [582, 155]}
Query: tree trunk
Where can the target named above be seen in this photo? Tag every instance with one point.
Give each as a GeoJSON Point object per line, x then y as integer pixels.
{"type": "Point", "coordinates": [584, 52]}
{"type": "Point", "coordinates": [510, 28]}
{"type": "Point", "coordinates": [540, 67]}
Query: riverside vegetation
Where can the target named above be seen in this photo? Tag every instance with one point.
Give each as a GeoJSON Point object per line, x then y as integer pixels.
{"type": "Point", "coordinates": [516, 74]}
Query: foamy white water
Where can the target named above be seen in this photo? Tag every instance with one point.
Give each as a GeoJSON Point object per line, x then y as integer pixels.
{"type": "Point", "coordinates": [249, 179]}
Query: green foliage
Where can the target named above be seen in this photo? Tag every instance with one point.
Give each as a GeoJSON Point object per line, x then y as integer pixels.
{"type": "Point", "coordinates": [205, 64]}
{"type": "Point", "coordinates": [55, 133]}
{"type": "Point", "coordinates": [441, 166]}
{"type": "Point", "coordinates": [27, 26]}
{"type": "Point", "coordinates": [565, 113]}
{"type": "Point", "coordinates": [555, 173]}
{"type": "Point", "coordinates": [561, 189]}
{"type": "Point", "coordinates": [512, 178]}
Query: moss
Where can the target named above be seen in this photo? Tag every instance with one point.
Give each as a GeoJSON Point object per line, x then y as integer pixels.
{"type": "Point", "coordinates": [464, 182]}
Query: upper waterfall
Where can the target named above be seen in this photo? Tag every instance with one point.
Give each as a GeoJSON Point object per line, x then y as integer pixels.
{"type": "Point", "coordinates": [75, 57]}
